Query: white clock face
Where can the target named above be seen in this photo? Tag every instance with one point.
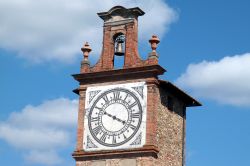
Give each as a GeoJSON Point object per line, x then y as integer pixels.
{"type": "Point", "coordinates": [115, 117]}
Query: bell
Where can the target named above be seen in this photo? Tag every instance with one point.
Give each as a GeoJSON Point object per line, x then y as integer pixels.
{"type": "Point", "coordinates": [119, 49]}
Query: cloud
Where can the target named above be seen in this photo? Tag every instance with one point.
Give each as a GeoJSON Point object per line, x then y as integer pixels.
{"type": "Point", "coordinates": [226, 81]}
{"type": "Point", "coordinates": [39, 131]}
{"type": "Point", "coordinates": [44, 157]}
{"type": "Point", "coordinates": [46, 30]}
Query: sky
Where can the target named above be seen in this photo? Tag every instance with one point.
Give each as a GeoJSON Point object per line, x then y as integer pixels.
{"type": "Point", "coordinates": [204, 48]}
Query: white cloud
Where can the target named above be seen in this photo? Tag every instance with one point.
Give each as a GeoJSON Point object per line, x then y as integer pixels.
{"type": "Point", "coordinates": [44, 157]}
{"type": "Point", "coordinates": [40, 130]}
{"type": "Point", "coordinates": [45, 30]}
{"type": "Point", "coordinates": [226, 81]}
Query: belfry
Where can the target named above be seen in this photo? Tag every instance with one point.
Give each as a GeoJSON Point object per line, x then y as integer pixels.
{"type": "Point", "coordinates": [128, 116]}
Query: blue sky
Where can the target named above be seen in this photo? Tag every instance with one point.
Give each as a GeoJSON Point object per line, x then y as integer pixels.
{"type": "Point", "coordinates": [204, 47]}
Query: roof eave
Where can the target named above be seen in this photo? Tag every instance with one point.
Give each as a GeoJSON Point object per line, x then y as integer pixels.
{"type": "Point", "coordinates": [188, 100]}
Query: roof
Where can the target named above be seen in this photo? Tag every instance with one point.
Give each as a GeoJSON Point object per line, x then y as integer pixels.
{"type": "Point", "coordinates": [121, 11]}
{"type": "Point", "coordinates": [188, 100]}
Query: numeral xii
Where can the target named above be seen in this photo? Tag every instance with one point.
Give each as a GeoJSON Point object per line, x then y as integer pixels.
{"type": "Point", "coordinates": [116, 95]}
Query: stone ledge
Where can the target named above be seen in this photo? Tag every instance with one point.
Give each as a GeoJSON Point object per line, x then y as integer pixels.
{"type": "Point", "coordinates": [146, 150]}
{"type": "Point", "coordinates": [120, 74]}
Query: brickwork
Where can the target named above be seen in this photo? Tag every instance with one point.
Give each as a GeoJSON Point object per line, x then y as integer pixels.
{"type": "Point", "coordinates": [132, 57]}
{"type": "Point", "coordinates": [151, 112]}
{"type": "Point", "coordinates": [81, 113]}
{"type": "Point", "coordinates": [129, 28]}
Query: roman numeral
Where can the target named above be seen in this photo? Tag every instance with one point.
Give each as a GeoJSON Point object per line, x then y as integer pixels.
{"type": "Point", "coordinates": [103, 137]}
{"type": "Point", "coordinates": [126, 97]}
{"type": "Point", "coordinates": [105, 98]}
{"type": "Point", "coordinates": [114, 140]}
{"type": "Point", "coordinates": [93, 119]}
{"type": "Point", "coordinates": [97, 130]}
{"type": "Point", "coordinates": [132, 127]}
{"type": "Point", "coordinates": [132, 105]}
{"type": "Point", "coordinates": [116, 95]}
{"type": "Point", "coordinates": [98, 108]}
{"type": "Point", "coordinates": [124, 136]}
{"type": "Point", "coordinates": [136, 115]}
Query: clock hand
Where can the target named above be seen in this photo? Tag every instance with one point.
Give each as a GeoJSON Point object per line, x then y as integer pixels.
{"type": "Point", "coordinates": [115, 118]}
{"type": "Point", "coordinates": [105, 113]}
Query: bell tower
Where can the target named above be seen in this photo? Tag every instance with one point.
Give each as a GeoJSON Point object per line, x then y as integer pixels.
{"type": "Point", "coordinates": [120, 31]}
{"type": "Point", "coordinates": [128, 116]}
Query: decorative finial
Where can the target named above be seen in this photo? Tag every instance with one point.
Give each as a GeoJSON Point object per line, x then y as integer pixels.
{"type": "Point", "coordinates": [85, 63]}
{"type": "Point", "coordinates": [86, 50]}
{"type": "Point", "coordinates": [154, 41]}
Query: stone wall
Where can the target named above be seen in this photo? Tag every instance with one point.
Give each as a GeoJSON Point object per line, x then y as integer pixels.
{"type": "Point", "coordinates": [170, 132]}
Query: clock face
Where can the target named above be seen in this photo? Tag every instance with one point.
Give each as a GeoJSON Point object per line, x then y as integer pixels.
{"type": "Point", "coordinates": [115, 117]}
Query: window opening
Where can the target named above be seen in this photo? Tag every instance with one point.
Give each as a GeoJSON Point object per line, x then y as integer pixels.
{"type": "Point", "coordinates": [119, 51]}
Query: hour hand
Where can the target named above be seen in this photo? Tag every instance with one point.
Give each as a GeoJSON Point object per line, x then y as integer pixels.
{"type": "Point", "coordinates": [105, 113]}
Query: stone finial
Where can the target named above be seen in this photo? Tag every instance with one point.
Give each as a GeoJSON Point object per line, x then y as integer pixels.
{"type": "Point", "coordinates": [154, 41]}
{"type": "Point", "coordinates": [86, 50]}
{"type": "Point", "coordinates": [153, 56]}
{"type": "Point", "coordinates": [85, 63]}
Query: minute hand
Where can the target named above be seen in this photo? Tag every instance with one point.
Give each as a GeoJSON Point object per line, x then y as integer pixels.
{"type": "Point", "coordinates": [115, 118]}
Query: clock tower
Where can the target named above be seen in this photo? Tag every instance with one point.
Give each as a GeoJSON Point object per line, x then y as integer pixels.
{"type": "Point", "coordinates": [128, 116]}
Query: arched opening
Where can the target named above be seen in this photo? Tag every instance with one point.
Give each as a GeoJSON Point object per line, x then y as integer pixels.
{"type": "Point", "coordinates": [119, 52]}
